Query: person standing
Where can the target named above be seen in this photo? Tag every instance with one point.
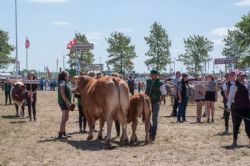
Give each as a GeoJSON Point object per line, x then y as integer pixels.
{"type": "Point", "coordinates": [239, 104]}
{"type": "Point", "coordinates": [64, 101]}
{"type": "Point", "coordinates": [210, 97]}
{"type": "Point", "coordinates": [7, 89]}
{"type": "Point", "coordinates": [199, 98]}
{"type": "Point", "coordinates": [229, 80]}
{"type": "Point", "coordinates": [156, 90]}
{"type": "Point", "coordinates": [139, 86]}
{"type": "Point", "coordinates": [31, 90]}
{"type": "Point", "coordinates": [175, 81]}
{"type": "Point", "coordinates": [131, 85]}
{"type": "Point", "coordinates": [183, 92]}
{"type": "Point", "coordinates": [82, 118]}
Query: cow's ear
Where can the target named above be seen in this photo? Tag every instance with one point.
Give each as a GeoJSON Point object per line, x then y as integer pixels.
{"type": "Point", "coordinates": [75, 79]}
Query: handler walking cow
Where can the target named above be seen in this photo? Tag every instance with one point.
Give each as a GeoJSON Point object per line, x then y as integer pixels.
{"type": "Point", "coordinates": [106, 99]}
{"type": "Point", "coordinates": [156, 90]}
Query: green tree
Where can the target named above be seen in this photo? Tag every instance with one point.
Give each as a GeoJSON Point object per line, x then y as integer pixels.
{"type": "Point", "coordinates": [233, 44]}
{"type": "Point", "coordinates": [5, 50]}
{"type": "Point", "coordinates": [159, 45]}
{"type": "Point", "coordinates": [83, 57]}
{"type": "Point", "coordinates": [121, 53]}
{"type": "Point", "coordinates": [244, 27]}
{"type": "Point", "coordinates": [196, 52]}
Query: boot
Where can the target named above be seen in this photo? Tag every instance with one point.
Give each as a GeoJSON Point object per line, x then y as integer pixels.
{"type": "Point", "coordinates": [61, 136]}
{"type": "Point", "coordinates": [226, 131]}
{"type": "Point", "coordinates": [212, 120]}
{"type": "Point", "coordinates": [234, 143]}
{"type": "Point", "coordinates": [208, 120]}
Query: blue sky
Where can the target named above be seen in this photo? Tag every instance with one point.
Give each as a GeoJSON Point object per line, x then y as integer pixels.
{"type": "Point", "coordinates": [51, 24]}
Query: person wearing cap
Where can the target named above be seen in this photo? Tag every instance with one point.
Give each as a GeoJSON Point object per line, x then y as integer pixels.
{"type": "Point", "coordinates": [175, 81]}
{"type": "Point", "coordinates": [7, 89]}
{"type": "Point", "coordinates": [238, 100]}
{"type": "Point", "coordinates": [156, 90]}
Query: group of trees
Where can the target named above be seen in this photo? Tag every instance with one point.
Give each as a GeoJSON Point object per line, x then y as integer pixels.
{"type": "Point", "coordinates": [5, 50]}
{"type": "Point", "coordinates": [121, 51]}
{"type": "Point", "coordinates": [237, 42]}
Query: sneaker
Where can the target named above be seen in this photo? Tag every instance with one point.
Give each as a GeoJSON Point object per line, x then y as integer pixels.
{"type": "Point", "coordinates": [61, 136]}
{"type": "Point", "coordinates": [65, 135]}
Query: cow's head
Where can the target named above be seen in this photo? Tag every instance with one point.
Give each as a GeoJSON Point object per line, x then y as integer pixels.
{"type": "Point", "coordinates": [81, 82]}
{"type": "Point", "coordinates": [18, 91]}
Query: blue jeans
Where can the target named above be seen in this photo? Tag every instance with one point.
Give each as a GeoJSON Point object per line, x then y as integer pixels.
{"type": "Point", "coordinates": [154, 123]}
{"type": "Point", "coordinates": [182, 110]}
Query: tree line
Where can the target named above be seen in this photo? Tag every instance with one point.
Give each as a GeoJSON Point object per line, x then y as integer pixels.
{"type": "Point", "coordinates": [121, 51]}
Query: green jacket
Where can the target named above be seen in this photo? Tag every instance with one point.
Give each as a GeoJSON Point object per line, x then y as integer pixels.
{"type": "Point", "coordinates": [7, 87]}
{"type": "Point", "coordinates": [153, 90]}
{"type": "Point", "coordinates": [67, 92]}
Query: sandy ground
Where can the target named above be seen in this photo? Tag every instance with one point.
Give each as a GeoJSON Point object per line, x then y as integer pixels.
{"type": "Point", "coordinates": [33, 143]}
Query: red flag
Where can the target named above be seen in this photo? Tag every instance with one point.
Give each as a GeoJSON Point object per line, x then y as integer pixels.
{"type": "Point", "coordinates": [27, 43]}
{"type": "Point", "coordinates": [69, 46]}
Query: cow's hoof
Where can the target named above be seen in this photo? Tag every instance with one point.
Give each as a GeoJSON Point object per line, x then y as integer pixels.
{"type": "Point", "coordinates": [90, 137]}
{"type": "Point", "coordinates": [147, 142]}
{"type": "Point", "coordinates": [132, 142]}
{"type": "Point", "coordinates": [124, 142]}
{"type": "Point", "coordinates": [99, 137]}
{"type": "Point", "coordinates": [108, 143]}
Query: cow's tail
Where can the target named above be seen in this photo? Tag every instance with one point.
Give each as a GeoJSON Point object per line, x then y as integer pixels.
{"type": "Point", "coordinates": [142, 98]}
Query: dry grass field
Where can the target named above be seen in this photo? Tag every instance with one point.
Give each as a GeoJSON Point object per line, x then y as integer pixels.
{"type": "Point", "coordinates": [34, 143]}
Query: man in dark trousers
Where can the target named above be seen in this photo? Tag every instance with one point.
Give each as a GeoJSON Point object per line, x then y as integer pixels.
{"type": "Point", "coordinates": [156, 90]}
{"type": "Point", "coordinates": [131, 85]}
{"type": "Point", "coordinates": [175, 82]}
{"type": "Point", "coordinates": [7, 89]}
{"type": "Point", "coordinates": [238, 100]}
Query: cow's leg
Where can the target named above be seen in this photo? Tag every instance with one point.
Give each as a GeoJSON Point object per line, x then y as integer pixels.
{"type": "Point", "coordinates": [17, 112]}
{"type": "Point", "coordinates": [123, 122]}
{"type": "Point", "coordinates": [133, 127]}
{"type": "Point", "coordinates": [147, 126]}
{"type": "Point", "coordinates": [102, 121]}
{"type": "Point", "coordinates": [109, 122]}
{"type": "Point", "coordinates": [22, 110]}
{"type": "Point", "coordinates": [91, 126]}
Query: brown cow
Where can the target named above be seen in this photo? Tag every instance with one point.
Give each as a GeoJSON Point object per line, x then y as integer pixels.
{"type": "Point", "coordinates": [140, 105]}
{"type": "Point", "coordinates": [106, 99]}
{"type": "Point", "coordinates": [19, 97]}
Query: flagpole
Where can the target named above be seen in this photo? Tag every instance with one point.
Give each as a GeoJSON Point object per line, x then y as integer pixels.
{"type": "Point", "coordinates": [16, 37]}
{"type": "Point", "coordinates": [27, 59]}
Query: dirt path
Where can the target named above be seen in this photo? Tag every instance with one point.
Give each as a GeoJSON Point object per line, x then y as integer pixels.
{"type": "Point", "coordinates": [34, 143]}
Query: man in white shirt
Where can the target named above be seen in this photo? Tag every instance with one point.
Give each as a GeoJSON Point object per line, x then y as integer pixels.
{"type": "Point", "coordinates": [239, 103]}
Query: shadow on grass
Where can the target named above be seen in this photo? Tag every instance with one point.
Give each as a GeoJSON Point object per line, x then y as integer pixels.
{"type": "Point", "coordinates": [233, 147]}
{"type": "Point", "coordinates": [223, 134]}
{"type": "Point", "coordinates": [10, 117]}
{"type": "Point", "coordinates": [17, 122]}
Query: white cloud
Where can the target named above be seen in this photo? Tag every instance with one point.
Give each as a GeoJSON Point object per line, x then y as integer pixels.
{"type": "Point", "coordinates": [222, 31]}
{"type": "Point", "coordinates": [242, 3]}
{"type": "Point", "coordinates": [61, 23]}
{"type": "Point", "coordinates": [48, 1]}
{"type": "Point", "coordinates": [124, 30]}
{"type": "Point", "coordinates": [94, 37]}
